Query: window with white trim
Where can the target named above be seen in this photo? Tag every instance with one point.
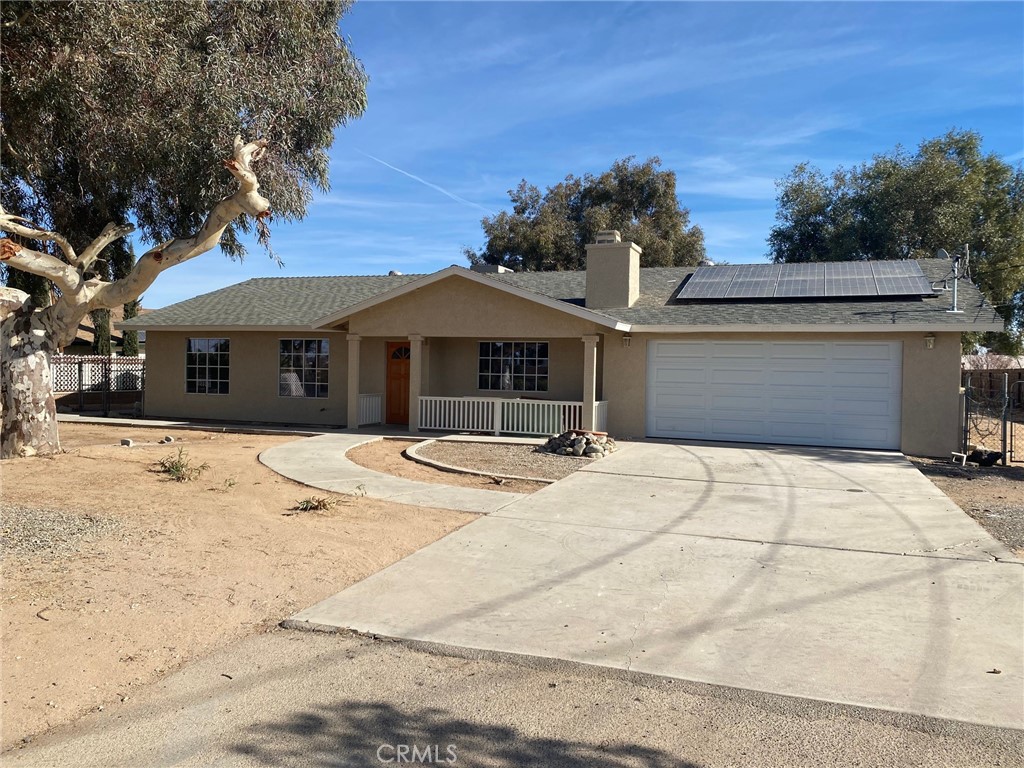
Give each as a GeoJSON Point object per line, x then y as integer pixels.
{"type": "Point", "coordinates": [303, 367]}
{"type": "Point", "coordinates": [207, 366]}
{"type": "Point", "coordinates": [513, 366]}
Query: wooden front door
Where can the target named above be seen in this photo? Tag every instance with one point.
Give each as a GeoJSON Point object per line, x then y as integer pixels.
{"type": "Point", "coordinates": [398, 382]}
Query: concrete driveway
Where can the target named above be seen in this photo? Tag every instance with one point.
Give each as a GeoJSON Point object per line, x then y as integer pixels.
{"type": "Point", "coordinates": [841, 576]}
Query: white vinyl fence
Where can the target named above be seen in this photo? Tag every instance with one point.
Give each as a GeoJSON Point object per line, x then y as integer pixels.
{"type": "Point", "coordinates": [371, 409]}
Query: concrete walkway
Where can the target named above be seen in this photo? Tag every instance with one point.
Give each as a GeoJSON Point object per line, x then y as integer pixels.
{"type": "Point", "coordinates": [320, 462]}
{"type": "Point", "coordinates": [843, 576]}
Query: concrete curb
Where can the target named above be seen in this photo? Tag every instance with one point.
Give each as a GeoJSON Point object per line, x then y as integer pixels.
{"type": "Point", "coordinates": [413, 454]}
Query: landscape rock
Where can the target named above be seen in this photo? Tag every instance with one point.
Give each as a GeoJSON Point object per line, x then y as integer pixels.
{"type": "Point", "coordinates": [126, 442]}
{"type": "Point", "coordinates": [589, 445]}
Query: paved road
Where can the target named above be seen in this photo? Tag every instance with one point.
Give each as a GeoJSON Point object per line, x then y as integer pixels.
{"type": "Point", "coordinates": [843, 576]}
{"type": "Point", "coordinates": [311, 699]}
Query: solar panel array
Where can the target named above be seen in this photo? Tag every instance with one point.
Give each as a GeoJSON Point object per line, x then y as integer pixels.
{"type": "Point", "coordinates": [818, 280]}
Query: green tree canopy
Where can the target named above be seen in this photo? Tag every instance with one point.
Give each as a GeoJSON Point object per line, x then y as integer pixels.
{"type": "Point", "coordinates": [905, 205]}
{"type": "Point", "coordinates": [550, 231]}
{"type": "Point", "coordinates": [119, 110]}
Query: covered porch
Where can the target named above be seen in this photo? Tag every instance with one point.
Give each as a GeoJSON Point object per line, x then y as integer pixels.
{"type": "Point", "coordinates": [458, 384]}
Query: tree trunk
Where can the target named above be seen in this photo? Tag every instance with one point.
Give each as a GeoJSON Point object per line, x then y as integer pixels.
{"type": "Point", "coordinates": [26, 386]}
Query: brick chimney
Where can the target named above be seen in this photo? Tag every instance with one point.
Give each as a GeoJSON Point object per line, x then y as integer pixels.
{"type": "Point", "coordinates": [613, 272]}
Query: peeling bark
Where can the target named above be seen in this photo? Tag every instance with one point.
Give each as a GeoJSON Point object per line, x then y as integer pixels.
{"type": "Point", "coordinates": [29, 334]}
{"type": "Point", "coordinates": [29, 415]}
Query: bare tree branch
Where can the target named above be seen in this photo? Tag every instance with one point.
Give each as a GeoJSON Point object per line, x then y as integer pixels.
{"type": "Point", "coordinates": [9, 223]}
{"type": "Point", "coordinates": [247, 200]}
{"type": "Point", "coordinates": [110, 233]}
{"type": "Point", "coordinates": [17, 256]}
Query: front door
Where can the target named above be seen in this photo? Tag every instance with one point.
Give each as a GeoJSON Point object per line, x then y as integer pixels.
{"type": "Point", "coordinates": [398, 382]}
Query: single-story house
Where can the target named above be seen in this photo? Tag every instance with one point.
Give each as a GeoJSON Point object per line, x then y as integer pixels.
{"type": "Point", "coordinates": [847, 355]}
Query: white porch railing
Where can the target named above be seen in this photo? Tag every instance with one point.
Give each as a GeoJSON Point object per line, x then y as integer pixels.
{"type": "Point", "coordinates": [371, 409]}
{"type": "Point", "coordinates": [505, 416]}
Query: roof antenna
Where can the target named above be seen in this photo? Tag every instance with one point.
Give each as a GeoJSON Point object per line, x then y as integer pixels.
{"type": "Point", "coordinates": [959, 270]}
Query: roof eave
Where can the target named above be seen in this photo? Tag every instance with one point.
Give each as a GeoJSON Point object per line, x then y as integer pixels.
{"type": "Point", "coordinates": [820, 328]}
{"type": "Point", "coordinates": [225, 328]}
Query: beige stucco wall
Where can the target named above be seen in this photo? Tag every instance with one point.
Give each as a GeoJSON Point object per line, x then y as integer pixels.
{"type": "Point", "coordinates": [253, 381]}
{"type": "Point", "coordinates": [453, 368]}
{"type": "Point", "coordinates": [931, 395]}
{"type": "Point", "coordinates": [450, 371]}
{"type": "Point", "coordinates": [931, 384]}
{"type": "Point", "coordinates": [460, 308]}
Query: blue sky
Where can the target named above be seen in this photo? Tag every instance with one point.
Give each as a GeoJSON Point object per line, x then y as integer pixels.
{"type": "Point", "coordinates": [467, 98]}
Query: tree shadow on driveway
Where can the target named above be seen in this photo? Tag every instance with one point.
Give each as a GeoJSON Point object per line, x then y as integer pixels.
{"type": "Point", "coordinates": [361, 733]}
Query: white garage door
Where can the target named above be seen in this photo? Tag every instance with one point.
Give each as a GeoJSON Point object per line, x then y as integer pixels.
{"type": "Point", "coordinates": [801, 393]}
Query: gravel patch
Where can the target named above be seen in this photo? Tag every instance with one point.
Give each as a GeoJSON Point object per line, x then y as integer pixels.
{"type": "Point", "coordinates": [1004, 522]}
{"type": "Point", "coordinates": [31, 531]}
{"type": "Point", "coordinates": [993, 496]}
{"type": "Point", "coordinates": [503, 459]}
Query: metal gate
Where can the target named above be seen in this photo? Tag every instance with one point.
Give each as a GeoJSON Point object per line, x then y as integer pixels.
{"type": "Point", "coordinates": [94, 381]}
{"type": "Point", "coordinates": [1016, 413]}
{"type": "Point", "coordinates": [987, 417]}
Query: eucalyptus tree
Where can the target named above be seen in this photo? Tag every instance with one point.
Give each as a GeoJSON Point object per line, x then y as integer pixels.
{"type": "Point", "coordinates": [114, 118]}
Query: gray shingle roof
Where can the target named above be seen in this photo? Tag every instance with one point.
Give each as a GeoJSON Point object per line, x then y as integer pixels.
{"type": "Point", "coordinates": [300, 301]}
{"type": "Point", "coordinates": [272, 301]}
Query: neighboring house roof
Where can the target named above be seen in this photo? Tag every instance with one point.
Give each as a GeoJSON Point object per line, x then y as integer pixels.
{"type": "Point", "coordinates": [87, 330]}
{"type": "Point", "coordinates": [303, 302]}
{"type": "Point", "coordinates": [991, 362]}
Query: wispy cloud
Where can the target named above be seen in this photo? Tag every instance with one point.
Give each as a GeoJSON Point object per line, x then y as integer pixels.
{"type": "Point", "coordinates": [800, 130]}
{"type": "Point", "coordinates": [426, 183]}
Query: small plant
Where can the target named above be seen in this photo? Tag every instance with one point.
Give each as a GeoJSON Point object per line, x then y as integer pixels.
{"type": "Point", "coordinates": [181, 468]}
{"type": "Point", "coordinates": [315, 504]}
{"type": "Point", "coordinates": [230, 483]}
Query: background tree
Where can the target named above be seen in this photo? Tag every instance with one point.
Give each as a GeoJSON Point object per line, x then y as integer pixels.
{"type": "Point", "coordinates": [907, 206]}
{"type": "Point", "coordinates": [120, 111]}
{"type": "Point", "coordinates": [550, 231]}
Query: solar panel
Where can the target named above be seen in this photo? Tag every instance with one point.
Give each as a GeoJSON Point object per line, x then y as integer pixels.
{"type": "Point", "coordinates": [754, 281]}
{"type": "Point", "coordinates": [817, 280]}
{"type": "Point", "coordinates": [900, 278]}
{"type": "Point", "coordinates": [801, 280]}
{"type": "Point", "coordinates": [908, 268]}
{"type": "Point", "coordinates": [849, 278]}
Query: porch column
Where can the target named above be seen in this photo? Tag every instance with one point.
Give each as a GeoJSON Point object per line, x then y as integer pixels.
{"type": "Point", "coordinates": [589, 382]}
{"type": "Point", "coordinates": [415, 380]}
{"type": "Point", "coordinates": [352, 409]}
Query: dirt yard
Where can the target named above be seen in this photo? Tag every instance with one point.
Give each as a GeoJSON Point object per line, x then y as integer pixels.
{"type": "Point", "coordinates": [114, 574]}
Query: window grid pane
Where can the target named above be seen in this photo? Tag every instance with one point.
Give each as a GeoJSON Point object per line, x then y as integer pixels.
{"type": "Point", "coordinates": [207, 366]}
{"type": "Point", "coordinates": [303, 368]}
{"type": "Point", "coordinates": [513, 366]}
